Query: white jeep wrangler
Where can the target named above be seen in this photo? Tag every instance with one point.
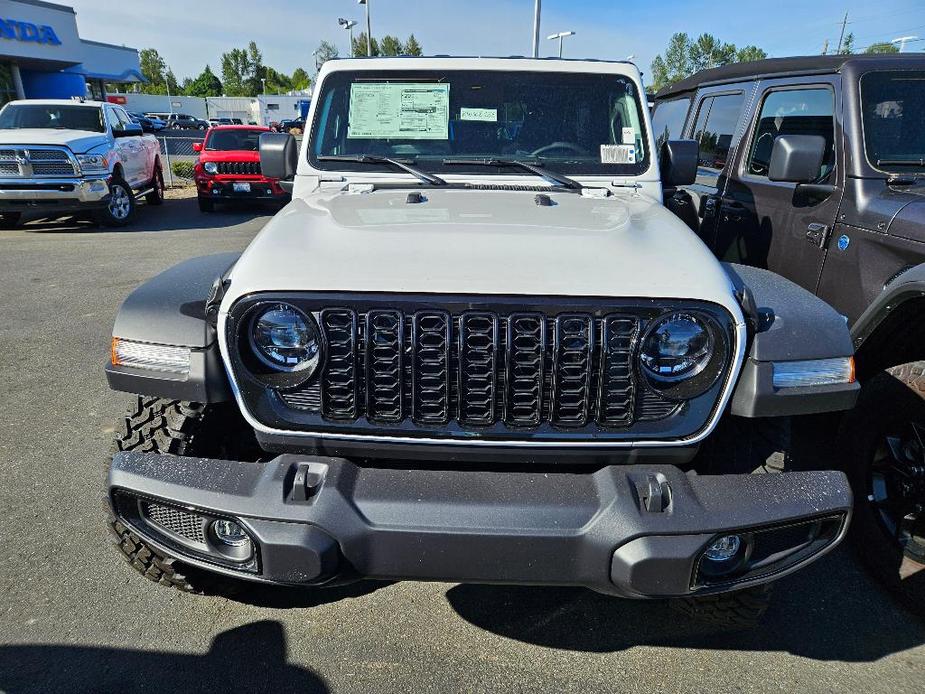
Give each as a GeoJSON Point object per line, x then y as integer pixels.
{"type": "Point", "coordinates": [61, 156]}
{"type": "Point", "coordinates": [476, 347]}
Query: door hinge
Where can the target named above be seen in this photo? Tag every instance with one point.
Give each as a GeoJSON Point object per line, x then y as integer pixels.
{"type": "Point", "coordinates": [817, 234]}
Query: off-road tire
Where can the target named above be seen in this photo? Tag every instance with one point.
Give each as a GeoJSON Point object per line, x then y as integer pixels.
{"type": "Point", "coordinates": [888, 402]}
{"type": "Point", "coordinates": [156, 196]}
{"type": "Point", "coordinates": [10, 220]}
{"type": "Point", "coordinates": [105, 216]}
{"type": "Point", "coordinates": [736, 611]}
{"type": "Point", "coordinates": [174, 427]}
{"type": "Point", "coordinates": [205, 205]}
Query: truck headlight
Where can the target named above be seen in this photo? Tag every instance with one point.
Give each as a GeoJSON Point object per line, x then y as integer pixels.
{"type": "Point", "coordinates": [682, 354]}
{"type": "Point", "coordinates": [93, 163]}
{"type": "Point", "coordinates": [285, 339]}
{"type": "Point", "coordinates": [210, 167]}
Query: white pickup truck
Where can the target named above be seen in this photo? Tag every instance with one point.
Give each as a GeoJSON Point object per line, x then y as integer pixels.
{"type": "Point", "coordinates": [71, 157]}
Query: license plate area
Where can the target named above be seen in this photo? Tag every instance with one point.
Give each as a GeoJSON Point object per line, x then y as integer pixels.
{"type": "Point", "coordinates": [241, 187]}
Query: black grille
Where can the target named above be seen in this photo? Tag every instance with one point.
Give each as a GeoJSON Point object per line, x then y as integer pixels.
{"type": "Point", "coordinates": [179, 522]}
{"type": "Point", "coordinates": [249, 168]}
{"type": "Point", "coordinates": [480, 369]}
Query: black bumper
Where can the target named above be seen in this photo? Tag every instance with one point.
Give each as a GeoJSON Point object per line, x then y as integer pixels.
{"type": "Point", "coordinates": [258, 191]}
{"type": "Point", "coordinates": [633, 531]}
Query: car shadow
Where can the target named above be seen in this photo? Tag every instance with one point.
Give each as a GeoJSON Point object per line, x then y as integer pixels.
{"type": "Point", "coordinates": [829, 611]}
{"type": "Point", "coordinates": [228, 666]}
{"type": "Point", "coordinates": [288, 598]}
{"type": "Point", "coordinates": [175, 214]}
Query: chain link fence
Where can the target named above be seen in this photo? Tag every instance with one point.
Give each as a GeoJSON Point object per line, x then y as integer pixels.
{"type": "Point", "coordinates": [178, 158]}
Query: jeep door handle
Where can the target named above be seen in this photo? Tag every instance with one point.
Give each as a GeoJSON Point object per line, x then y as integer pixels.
{"type": "Point", "coordinates": [816, 233]}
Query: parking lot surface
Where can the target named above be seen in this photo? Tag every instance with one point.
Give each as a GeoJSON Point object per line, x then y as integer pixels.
{"type": "Point", "coordinates": [73, 618]}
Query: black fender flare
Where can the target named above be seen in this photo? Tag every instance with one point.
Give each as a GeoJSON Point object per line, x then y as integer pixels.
{"type": "Point", "coordinates": [788, 323]}
{"type": "Point", "coordinates": [171, 309]}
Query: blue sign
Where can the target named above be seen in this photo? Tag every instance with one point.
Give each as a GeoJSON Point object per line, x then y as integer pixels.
{"type": "Point", "coordinates": [843, 242]}
{"type": "Point", "coordinates": [27, 32]}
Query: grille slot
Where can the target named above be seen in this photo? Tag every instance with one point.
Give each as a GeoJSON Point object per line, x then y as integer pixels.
{"type": "Point", "coordinates": [524, 377]}
{"type": "Point", "coordinates": [177, 521]}
{"type": "Point", "coordinates": [572, 356]}
{"type": "Point", "coordinates": [248, 168]}
{"type": "Point", "coordinates": [430, 374]}
{"type": "Point", "coordinates": [617, 385]}
{"type": "Point", "coordinates": [385, 340]}
{"type": "Point", "coordinates": [52, 168]}
{"type": "Point", "coordinates": [339, 389]}
{"type": "Point", "coordinates": [478, 365]}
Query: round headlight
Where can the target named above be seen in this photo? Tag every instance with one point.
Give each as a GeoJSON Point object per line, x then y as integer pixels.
{"type": "Point", "coordinates": [210, 167]}
{"type": "Point", "coordinates": [676, 347]}
{"type": "Point", "coordinates": [285, 339]}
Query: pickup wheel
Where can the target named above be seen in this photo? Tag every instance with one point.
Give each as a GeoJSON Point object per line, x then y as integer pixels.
{"type": "Point", "coordinates": [156, 196]}
{"type": "Point", "coordinates": [179, 428]}
{"type": "Point", "coordinates": [10, 220]}
{"type": "Point", "coordinates": [205, 205]}
{"type": "Point", "coordinates": [883, 441]}
{"type": "Point", "coordinates": [121, 207]}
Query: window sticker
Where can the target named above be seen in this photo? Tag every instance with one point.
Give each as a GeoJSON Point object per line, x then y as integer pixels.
{"type": "Point", "coordinates": [488, 115]}
{"type": "Point", "coordinates": [629, 136]}
{"type": "Point", "coordinates": [409, 111]}
{"type": "Point", "coordinates": [618, 154]}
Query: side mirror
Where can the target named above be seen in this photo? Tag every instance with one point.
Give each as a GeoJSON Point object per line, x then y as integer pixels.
{"type": "Point", "coordinates": [197, 146]}
{"type": "Point", "coordinates": [279, 155]}
{"type": "Point", "coordinates": [678, 162]}
{"type": "Point", "coordinates": [796, 158]}
{"type": "Point", "coordinates": [128, 130]}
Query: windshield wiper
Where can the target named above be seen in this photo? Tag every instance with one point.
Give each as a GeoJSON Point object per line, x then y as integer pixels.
{"type": "Point", "coordinates": [422, 176]}
{"type": "Point", "coordinates": [901, 162]}
{"type": "Point", "coordinates": [532, 167]}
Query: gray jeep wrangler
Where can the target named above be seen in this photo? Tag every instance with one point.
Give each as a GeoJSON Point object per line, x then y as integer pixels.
{"type": "Point", "coordinates": [476, 347]}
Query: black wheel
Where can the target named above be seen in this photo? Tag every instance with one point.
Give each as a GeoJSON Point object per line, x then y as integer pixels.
{"type": "Point", "coordinates": [10, 220]}
{"type": "Point", "coordinates": [883, 441]}
{"type": "Point", "coordinates": [738, 610]}
{"type": "Point", "coordinates": [121, 207]}
{"type": "Point", "coordinates": [205, 205]}
{"type": "Point", "coordinates": [179, 428]}
{"type": "Point", "coordinates": [156, 196]}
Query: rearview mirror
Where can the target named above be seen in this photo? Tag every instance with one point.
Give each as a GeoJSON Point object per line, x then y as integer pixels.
{"type": "Point", "coordinates": [678, 162]}
{"type": "Point", "coordinates": [197, 146]}
{"type": "Point", "coordinates": [796, 158]}
{"type": "Point", "coordinates": [128, 130]}
{"type": "Point", "coordinates": [279, 155]}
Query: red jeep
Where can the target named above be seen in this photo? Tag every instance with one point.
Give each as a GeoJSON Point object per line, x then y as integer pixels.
{"type": "Point", "coordinates": [229, 167]}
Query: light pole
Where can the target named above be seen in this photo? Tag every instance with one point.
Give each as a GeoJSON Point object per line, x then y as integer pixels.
{"type": "Point", "coordinates": [369, 31]}
{"type": "Point", "coordinates": [263, 85]}
{"type": "Point", "coordinates": [536, 28]}
{"type": "Point", "coordinates": [561, 35]}
{"type": "Point", "coordinates": [348, 24]}
{"type": "Point", "coordinates": [902, 40]}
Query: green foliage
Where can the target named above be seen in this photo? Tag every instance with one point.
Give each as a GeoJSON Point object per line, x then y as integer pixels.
{"type": "Point", "coordinates": [206, 84]}
{"type": "Point", "coordinates": [884, 47]}
{"type": "Point", "coordinates": [359, 45]}
{"type": "Point", "coordinates": [391, 45]}
{"type": "Point", "coordinates": [847, 46]}
{"type": "Point", "coordinates": [277, 82]}
{"type": "Point", "coordinates": [412, 47]}
{"type": "Point", "coordinates": [300, 79]}
{"type": "Point", "coordinates": [242, 70]}
{"type": "Point", "coordinates": [683, 57]}
{"type": "Point", "coordinates": [326, 51]}
{"type": "Point", "coordinates": [155, 71]}
{"type": "Point", "coordinates": [182, 169]}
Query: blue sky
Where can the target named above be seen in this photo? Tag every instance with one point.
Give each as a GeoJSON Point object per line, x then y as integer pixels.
{"type": "Point", "coordinates": [191, 33]}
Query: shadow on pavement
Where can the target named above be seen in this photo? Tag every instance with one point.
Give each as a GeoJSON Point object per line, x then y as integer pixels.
{"type": "Point", "coordinates": [286, 598]}
{"type": "Point", "coordinates": [250, 658]}
{"type": "Point", "coordinates": [829, 611]}
{"type": "Point", "coordinates": [175, 214]}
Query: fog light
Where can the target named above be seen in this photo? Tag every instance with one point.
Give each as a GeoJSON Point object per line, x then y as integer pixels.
{"type": "Point", "coordinates": [230, 533]}
{"type": "Point", "coordinates": [723, 548]}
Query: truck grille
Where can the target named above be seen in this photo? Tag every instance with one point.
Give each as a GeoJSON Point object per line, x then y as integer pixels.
{"type": "Point", "coordinates": [480, 369]}
{"type": "Point", "coordinates": [183, 523]}
{"type": "Point", "coordinates": [249, 168]}
{"type": "Point", "coordinates": [26, 162]}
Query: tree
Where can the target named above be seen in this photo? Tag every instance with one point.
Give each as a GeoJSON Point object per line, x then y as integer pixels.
{"type": "Point", "coordinates": [750, 53]}
{"type": "Point", "coordinates": [412, 47]}
{"type": "Point", "coordinates": [676, 63]}
{"type": "Point", "coordinates": [359, 45]}
{"type": "Point", "coordinates": [707, 52]}
{"type": "Point", "coordinates": [391, 45]}
{"type": "Point", "coordinates": [277, 82]}
{"type": "Point", "coordinates": [172, 85]}
{"type": "Point", "coordinates": [242, 70]}
{"type": "Point", "coordinates": [326, 51]}
{"type": "Point", "coordinates": [300, 79]}
{"type": "Point", "coordinates": [154, 69]}
{"type": "Point", "coordinates": [847, 46]}
{"type": "Point", "coordinates": [206, 84]}
{"type": "Point", "coordinates": [884, 47]}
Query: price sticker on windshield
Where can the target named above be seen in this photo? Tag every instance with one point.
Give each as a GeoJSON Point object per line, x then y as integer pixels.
{"type": "Point", "coordinates": [618, 154]}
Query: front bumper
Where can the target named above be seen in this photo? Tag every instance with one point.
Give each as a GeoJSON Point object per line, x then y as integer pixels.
{"type": "Point", "coordinates": [633, 531]}
{"type": "Point", "coordinates": [54, 194]}
{"type": "Point", "coordinates": [222, 188]}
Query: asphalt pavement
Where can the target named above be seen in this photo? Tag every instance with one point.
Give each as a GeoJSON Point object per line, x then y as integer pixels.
{"type": "Point", "coordinates": [74, 618]}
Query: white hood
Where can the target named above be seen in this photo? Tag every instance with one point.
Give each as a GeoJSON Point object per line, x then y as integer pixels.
{"type": "Point", "coordinates": [79, 141]}
{"type": "Point", "coordinates": [481, 242]}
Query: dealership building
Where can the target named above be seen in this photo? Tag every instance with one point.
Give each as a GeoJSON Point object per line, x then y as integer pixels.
{"type": "Point", "coordinates": [43, 57]}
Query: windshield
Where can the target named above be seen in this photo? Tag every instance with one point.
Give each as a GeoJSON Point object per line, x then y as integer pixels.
{"type": "Point", "coordinates": [572, 122]}
{"type": "Point", "coordinates": [226, 140]}
{"type": "Point", "coordinates": [893, 105]}
{"type": "Point", "coordinates": [56, 116]}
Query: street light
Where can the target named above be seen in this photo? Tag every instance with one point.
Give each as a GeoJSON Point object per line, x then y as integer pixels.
{"type": "Point", "coordinates": [369, 31]}
{"type": "Point", "coordinates": [263, 83]}
{"type": "Point", "coordinates": [561, 35]}
{"type": "Point", "coordinates": [903, 40]}
{"type": "Point", "coordinates": [348, 24]}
